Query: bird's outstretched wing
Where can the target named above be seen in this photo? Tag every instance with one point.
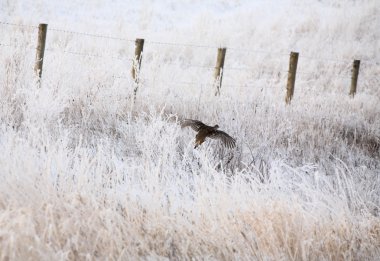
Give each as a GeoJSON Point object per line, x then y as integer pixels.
{"type": "Point", "coordinates": [194, 124]}
{"type": "Point", "coordinates": [227, 140]}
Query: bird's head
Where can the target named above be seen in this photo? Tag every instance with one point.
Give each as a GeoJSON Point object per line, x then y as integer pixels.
{"type": "Point", "coordinates": [216, 126]}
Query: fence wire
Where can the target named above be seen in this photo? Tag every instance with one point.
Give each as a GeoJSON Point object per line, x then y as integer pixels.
{"type": "Point", "coordinates": [347, 63]}
{"type": "Point", "coordinates": [18, 46]}
{"type": "Point", "coordinates": [91, 35]}
{"type": "Point", "coordinates": [90, 55]}
{"type": "Point", "coordinates": [184, 44]}
{"type": "Point", "coordinates": [18, 25]}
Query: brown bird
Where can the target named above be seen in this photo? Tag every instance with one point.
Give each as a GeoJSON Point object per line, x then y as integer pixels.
{"type": "Point", "coordinates": [205, 131]}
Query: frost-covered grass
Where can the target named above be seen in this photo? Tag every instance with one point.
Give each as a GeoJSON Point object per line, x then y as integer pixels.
{"type": "Point", "coordinates": [85, 173]}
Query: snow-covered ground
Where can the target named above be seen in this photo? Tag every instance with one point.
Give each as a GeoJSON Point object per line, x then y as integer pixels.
{"type": "Point", "coordinates": [86, 173]}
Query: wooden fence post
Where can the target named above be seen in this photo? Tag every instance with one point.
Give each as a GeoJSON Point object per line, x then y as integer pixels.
{"type": "Point", "coordinates": [139, 46]}
{"type": "Point", "coordinates": [218, 74]}
{"type": "Point", "coordinates": [354, 77]}
{"type": "Point", "coordinates": [42, 30]}
{"type": "Point", "coordinates": [291, 76]}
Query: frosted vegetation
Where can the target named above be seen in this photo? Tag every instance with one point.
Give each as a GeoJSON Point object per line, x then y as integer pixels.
{"type": "Point", "coordinates": [86, 173]}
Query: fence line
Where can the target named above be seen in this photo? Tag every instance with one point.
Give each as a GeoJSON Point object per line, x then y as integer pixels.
{"type": "Point", "coordinates": [131, 59]}
{"type": "Point", "coordinates": [166, 63]}
{"type": "Point", "coordinates": [343, 76]}
{"type": "Point", "coordinates": [187, 44]}
{"type": "Point", "coordinates": [209, 84]}
{"type": "Point", "coordinates": [218, 69]}
{"type": "Point", "coordinates": [277, 73]}
{"type": "Point", "coordinates": [170, 63]}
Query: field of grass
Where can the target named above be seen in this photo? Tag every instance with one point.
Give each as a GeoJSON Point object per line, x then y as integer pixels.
{"type": "Point", "coordinates": [87, 173]}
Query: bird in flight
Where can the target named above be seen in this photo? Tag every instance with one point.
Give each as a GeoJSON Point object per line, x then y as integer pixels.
{"type": "Point", "coordinates": [205, 131]}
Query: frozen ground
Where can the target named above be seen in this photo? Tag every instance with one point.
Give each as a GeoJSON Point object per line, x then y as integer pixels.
{"type": "Point", "coordinates": [85, 173]}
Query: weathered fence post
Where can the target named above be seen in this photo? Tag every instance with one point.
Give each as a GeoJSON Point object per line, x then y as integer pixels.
{"type": "Point", "coordinates": [42, 30]}
{"type": "Point", "coordinates": [354, 77]}
{"type": "Point", "coordinates": [291, 76]}
{"type": "Point", "coordinates": [139, 46]}
{"type": "Point", "coordinates": [218, 74]}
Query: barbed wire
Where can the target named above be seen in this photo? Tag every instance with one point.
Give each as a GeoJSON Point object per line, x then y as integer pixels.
{"type": "Point", "coordinates": [90, 55]}
{"type": "Point", "coordinates": [18, 25]}
{"type": "Point", "coordinates": [179, 65]}
{"type": "Point", "coordinates": [348, 63]}
{"type": "Point", "coordinates": [316, 77]}
{"type": "Point", "coordinates": [257, 71]}
{"type": "Point", "coordinates": [121, 77]}
{"type": "Point", "coordinates": [276, 76]}
{"type": "Point", "coordinates": [18, 46]}
{"type": "Point", "coordinates": [325, 59]}
{"type": "Point", "coordinates": [369, 63]}
{"type": "Point", "coordinates": [258, 51]}
{"type": "Point", "coordinates": [71, 52]}
{"type": "Point", "coordinates": [144, 81]}
{"type": "Point", "coordinates": [208, 83]}
{"type": "Point", "coordinates": [90, 35]}
{"type": "Point", "coordinates": [182, 44]}
{"type": "Point", "coordinates": [185, 83]}
{"type": "Point", "coordinates": [187, 44]}
{"type": "Point", "coordinates": [250, 69]}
